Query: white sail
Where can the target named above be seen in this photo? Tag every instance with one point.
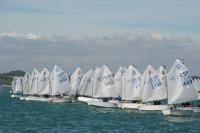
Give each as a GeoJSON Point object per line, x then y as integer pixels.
{"type": "Point", "coordinates": [75, 79]}
{"type": "Point", "coordinates": [196, 83]}
{"type": "Point", "coordinates": [33, 82]}
{"type": "Point", "coordinates": [59, 82]}
{"type": "Point", "coordinates": [161, 91]}
{"type": "Point", "coordinates": [13, 84]}
{"type": "Point", "coordinates": [131, 89]}
{"type": "Point", "coordinates": [25, 83]}
{"type": "Point", "coordinates": [44, 82]}
{"type": "Point", "coordinates": [118, 80]}
{"type": "Point", "coordinates": [17, 85]}
{"type": "Point", "coordinates": [150, 82]}
{"type": "Point", "coordinates": [104, 84]}
{"type": "Point", "coordinates": [180, 87]}
{"type": "Point", "coordinates": [85, 86]}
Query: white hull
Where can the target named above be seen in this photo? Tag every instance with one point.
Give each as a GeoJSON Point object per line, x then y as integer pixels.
{"type": "Point", "coordinates": [102, 104]}
{"type": "Point", "coordinates": [194, 109]}
{"type": "Point", "coordinates": [14, 95]}
{"type": "Point", "coordinates": [146, 107]}
{"type": "Point", "coordinates": [84, 99]}
{"type": "Point", "coordinates": [129, 105]}
{"type": "Point", "coordinates": [32, 98]}
{"type": "Point", "coordinates": [22, 98]}
{"type": "Point", "coordinates": [65, 99]}
{"type": "Point", "coordinates": [114, 101]}
{"type": "Point", "coordinates": [177, 112]}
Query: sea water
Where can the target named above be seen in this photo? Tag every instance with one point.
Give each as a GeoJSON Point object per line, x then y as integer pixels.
{"type": "Point", "coordinates": [32, 116]}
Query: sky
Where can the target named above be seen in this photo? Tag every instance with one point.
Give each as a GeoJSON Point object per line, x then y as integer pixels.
{"type": "Point", "coordinates": [90, 33]}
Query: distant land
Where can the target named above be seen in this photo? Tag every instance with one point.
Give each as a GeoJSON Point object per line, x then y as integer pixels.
{"type": "Point", "coordinates": [6, 78]}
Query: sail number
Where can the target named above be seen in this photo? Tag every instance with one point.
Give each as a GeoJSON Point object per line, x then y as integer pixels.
{"type": "Point", "coordinates": [185, 78]}
{"type": "Point", "coordinates": [136, 81]}
{"type": "Point", "coordinates": [155, 81]}
{"type": "Point", "coordinates": [108, 79]}
{"type": "Point", "coordinates": [62, 77]}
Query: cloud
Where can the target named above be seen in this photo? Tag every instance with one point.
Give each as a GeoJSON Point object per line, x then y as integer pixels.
{"type": "Point", "coordinates": [27, 51]}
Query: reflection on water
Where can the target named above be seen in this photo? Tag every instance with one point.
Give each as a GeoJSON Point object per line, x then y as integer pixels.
{"type": "Point", "coordinates": [180, 119]}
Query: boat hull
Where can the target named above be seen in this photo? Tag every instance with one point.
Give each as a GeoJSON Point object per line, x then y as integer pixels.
{"type": "Point", "coordinates": [129, 105]}
{"type": "Point", "coordinates": [145, 107]}
{"type": "Point", "coordinates": [102, 104]}
{"type": "Point", "coordinates": [32, 98]}
{"type": "Point", "coordinates": [84, 99]}
{"type": "Point", "coordinates": [14, 95]}
{"type": "Point", "coordinates": [65, 99]}
{"type": "Point", "coordinates": [177, 112]}
{"type": "Point", "coordinates": [194, 109]}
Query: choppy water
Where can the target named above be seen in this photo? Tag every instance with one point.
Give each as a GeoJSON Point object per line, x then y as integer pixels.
{"type": "Point", "coordinates": [30, 117]}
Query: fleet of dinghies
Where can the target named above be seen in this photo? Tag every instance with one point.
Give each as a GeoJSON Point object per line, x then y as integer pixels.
{"type": "Point", "coordinates": [172, 92]}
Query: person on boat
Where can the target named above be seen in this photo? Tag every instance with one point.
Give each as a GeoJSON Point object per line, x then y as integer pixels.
{"type": "Point", "coordinates": [172, 107]}
{"type": "Point", "coordinates": [157, 102]}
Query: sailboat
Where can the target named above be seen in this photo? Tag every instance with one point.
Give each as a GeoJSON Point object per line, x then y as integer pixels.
{"type": "Point", "coordinates": [75, 79]}
{"type": "Point", "coordinates": [25, 86]}
{"type": "Point", "coordinates": [43, 85]}
{"type": "Point", "coordinates": [16, 87]}
{"type": "Point", "coordinates": [59, 86]}
{"type": "Point", "coordinates": [131, 88]}
{"type": "Point", "coordinates": [196, 83]}
{"type": "Point", "coordinates": [180, 90]}
{"type": "Point", "coordinates": [154, 89]}
{"type": "Point", "coordinates": [33, 85]}
{"type": "Point", "coordinates": [103, 89]}
{"type": "Point", "coordinates": [85, 87]}
{"type": "Point", "coordinates": [118, 80]}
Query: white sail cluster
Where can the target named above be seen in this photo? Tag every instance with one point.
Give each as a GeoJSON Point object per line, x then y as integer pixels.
{"type": "Point", "coordinates": [127, 84]}
{"type": "Point", "coordinates": [42, 83]}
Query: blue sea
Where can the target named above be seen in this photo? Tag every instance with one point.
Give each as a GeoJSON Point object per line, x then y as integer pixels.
{"type": "Point", "coordinates": [40, 117]}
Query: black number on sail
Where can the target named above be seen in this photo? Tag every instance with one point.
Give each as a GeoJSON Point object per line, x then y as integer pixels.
{"type": "Point", "coordinates": [185, 78]}
{"type": "Point", "coordinates": [135, 81]}
{"type": "Point", "coordinates": [61, 77]}
{"type": "Point", "coordinates": [155, 81]}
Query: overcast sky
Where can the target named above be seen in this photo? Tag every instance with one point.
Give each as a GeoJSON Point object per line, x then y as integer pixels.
{"type": "Point", "coordinates": [89, 33]}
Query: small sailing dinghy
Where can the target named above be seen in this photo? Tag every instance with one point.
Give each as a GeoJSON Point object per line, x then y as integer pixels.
{"type": "Point", "coordinates": [16, 87]}
{"type": "Point", "coordinates": [180, 90]}
{"type": "Point", "coordinates": [130, 88]}
{"type": "Point", "coordinates": [59, 86]}
{"type": "Point", "coordinates": [154, 89]}
{"type": "Point", "coordinates": [43, 85]}
{"type": "Point", "coordinates": [33, 85]}
{"type": "Point", "coordinates": [75, 79]}
{"type": "Point", "coordinates": [103, 89]}
{"type": "Point", "coordinates": [85, 87]}
{"type": "Point", "coordinates": [25, 86]}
